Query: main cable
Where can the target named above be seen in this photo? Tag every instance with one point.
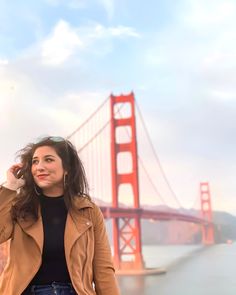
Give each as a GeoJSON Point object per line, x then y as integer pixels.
{"type": "Point", "coordinates": [156, 157]}
{"type": "Point", "coordinates": [88, 119]}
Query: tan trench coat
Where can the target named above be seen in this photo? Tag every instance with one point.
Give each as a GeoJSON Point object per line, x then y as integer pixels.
{"type": "Point", "coordinates": [87, 249]}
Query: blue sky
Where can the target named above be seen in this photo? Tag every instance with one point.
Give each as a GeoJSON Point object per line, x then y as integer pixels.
{"type": "Point", "coordinates": [60, 59]}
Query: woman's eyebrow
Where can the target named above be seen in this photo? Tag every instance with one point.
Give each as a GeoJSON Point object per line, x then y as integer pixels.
{"type": "Point", "coordinates": [44, 156]}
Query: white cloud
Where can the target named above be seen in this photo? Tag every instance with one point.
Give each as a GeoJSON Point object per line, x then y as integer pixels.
{"type": "Point", "coordinates": [223, 96]}
{"type": "Point", "coordinates": [123, 31]}
{"type": "Point", "coordinates": [63, 43]}
{"type": "Point", "coordinates": [98, 31]}
{"type": "Point", "coordinates": [109, 6]}
{"type": "Point", "coordinates": [204, 14]}
{"type": "Point", "coordinates": [226, 59]}
{"type": "Point", "coordinates": [66, 41]}
{"type": "Point", "coordinates": [3, 62]}
{"type": "Point", "coordinates": [198, 50]}
{"type": "Point", "coordinates": [74, 108]}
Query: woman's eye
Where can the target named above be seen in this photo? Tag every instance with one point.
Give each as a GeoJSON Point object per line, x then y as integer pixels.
{"type": "Point", "coordinates": [34, 162]}
{"type": "Point", "coordinates": [49, 160]}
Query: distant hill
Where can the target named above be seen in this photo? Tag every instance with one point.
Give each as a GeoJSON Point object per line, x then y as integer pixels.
{"type": "Point", "coordinates": [225, 225]}
{"type": "Point", "coordinates": [156, 232]}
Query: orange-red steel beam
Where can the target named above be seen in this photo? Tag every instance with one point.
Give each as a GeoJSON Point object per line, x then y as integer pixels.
{"type": "Point", "coordinates": [110, 212]}
{"type": "Point", "coordinates": [208, 228]}
{"type": "Point", "coordinates": [126, 229]}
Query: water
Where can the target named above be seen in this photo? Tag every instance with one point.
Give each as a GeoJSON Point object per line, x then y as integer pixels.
{"type": "Point", "coordinates": [190, 270]}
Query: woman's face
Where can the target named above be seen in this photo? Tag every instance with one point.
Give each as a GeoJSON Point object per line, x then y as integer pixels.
{"type": "Point", "coordinates": [47, 171]}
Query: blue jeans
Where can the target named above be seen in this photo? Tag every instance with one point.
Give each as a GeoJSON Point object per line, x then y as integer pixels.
{"type": "Point", "coordinates": [52, 289]}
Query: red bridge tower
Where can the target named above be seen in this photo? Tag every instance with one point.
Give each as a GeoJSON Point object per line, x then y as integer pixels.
{"type": "Point", "coordinates": [126, 229]}
{"type": "Point", "coordinates": [208, 228]}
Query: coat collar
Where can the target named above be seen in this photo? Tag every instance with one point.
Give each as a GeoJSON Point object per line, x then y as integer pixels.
{"type": "Point", "coordinates": [82, 202]}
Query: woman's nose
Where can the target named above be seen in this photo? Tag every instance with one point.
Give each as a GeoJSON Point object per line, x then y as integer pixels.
{"type": "Point", "coordinates": [40, 166]}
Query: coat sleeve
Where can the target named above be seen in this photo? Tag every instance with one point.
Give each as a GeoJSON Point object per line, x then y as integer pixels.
{"type": "Point", "coordinates": [103, 269]}
{"type": "Point", "coordinates": [7, 197]}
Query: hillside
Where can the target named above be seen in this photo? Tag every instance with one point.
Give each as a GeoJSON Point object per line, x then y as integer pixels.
{"type": "Point", "coordinates": [225, 225]}
{"type": "Point", "coordinates": [157, 232]}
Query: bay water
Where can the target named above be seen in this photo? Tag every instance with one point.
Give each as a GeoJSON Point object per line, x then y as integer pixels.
{"type": "Point", "coordinates": [191, 270]}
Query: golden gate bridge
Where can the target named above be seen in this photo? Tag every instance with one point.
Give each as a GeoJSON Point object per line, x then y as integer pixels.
{"type": "Point", "coordinates": [107, 143]}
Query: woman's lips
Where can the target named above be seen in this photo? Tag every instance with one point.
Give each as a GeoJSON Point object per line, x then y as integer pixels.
{"type": "Point", "coordinates": [42, 176]}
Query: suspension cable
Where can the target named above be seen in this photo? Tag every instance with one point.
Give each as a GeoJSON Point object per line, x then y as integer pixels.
{"type": "Point", "coordinates": [98, 132]}
{"type": "Point", "coordinates": [88, 119]}
{"type": "Point", "coordinates": [143, 166]}
{"type": "Point", "coordinates": [156, 157]}
{"type": "Point", "coordinates": [151, 181]}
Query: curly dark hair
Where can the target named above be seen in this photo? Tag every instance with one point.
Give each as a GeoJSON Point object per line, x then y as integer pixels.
{"type": "Point", "coordinates": [76, 185]}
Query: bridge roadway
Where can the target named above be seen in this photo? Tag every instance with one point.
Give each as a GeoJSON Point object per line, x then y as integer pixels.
{"type": "Point", "coordinates": [111, 212]}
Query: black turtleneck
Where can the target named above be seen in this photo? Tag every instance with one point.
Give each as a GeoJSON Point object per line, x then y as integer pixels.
{"type": "Point", "coordinates": [53, 268]}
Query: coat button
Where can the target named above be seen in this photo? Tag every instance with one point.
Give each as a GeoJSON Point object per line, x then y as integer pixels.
{"type": "Point", "coordinates": [88, 223]}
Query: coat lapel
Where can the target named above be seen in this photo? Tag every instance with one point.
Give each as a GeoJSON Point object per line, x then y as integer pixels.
{"type": "Point", "coordinates": [34, 229]}
{"type": "Point", "coordinates": [76, 224]}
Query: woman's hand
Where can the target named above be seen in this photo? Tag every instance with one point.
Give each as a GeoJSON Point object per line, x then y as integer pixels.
{"type": "Point", "coordinates": [14, 180]}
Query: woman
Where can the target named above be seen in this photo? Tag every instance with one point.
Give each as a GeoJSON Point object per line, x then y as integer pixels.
{"type": "Point", "coordinates": [58, 241]}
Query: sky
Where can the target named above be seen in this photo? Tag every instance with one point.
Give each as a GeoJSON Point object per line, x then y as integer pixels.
{"type": "Point", "coordinates": [60, 59]}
